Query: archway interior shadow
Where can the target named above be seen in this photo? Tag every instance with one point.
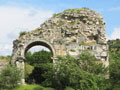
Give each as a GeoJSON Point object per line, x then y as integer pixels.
{"type": "Point", "coordinates": [36, 63]}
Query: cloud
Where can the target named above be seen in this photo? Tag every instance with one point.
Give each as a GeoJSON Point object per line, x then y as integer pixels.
{"type": "Point", "coordinates": [5, 49]}
{"type": "Point", "coordinates": [115, 9]}
{"type": "Point", "coordinates": [115, 34]}
{"type": "Point", "coordinates": [14, 20]}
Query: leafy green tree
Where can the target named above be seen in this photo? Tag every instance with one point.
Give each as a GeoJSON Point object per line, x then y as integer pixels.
{"type": "Point", "coordinates": [69, 88]}
{"type": "Point", "coordinates": [88, 62]}
{"type": "Point", "coordinates": [9, 77]}
{"type": "Point", "coordinates": [40, 57]}
{"type": "Point", "coordinates": [114, 58]}
{"type": "Point", "coordinates": [81, 74]}
{"type": "Point", "coordinates": [115, 69]}
{"type": "Point", "coordinates": [37, 63]}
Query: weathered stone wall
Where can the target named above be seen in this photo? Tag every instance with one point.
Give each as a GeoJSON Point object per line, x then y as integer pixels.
{"type": "Point", "coordinates": [71, 31]}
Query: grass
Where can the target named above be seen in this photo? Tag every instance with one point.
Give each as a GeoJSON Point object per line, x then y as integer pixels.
{"type": "Point", "coordinates": [55, 15]}
{"type": "Point", "coordinates": [32, 87]}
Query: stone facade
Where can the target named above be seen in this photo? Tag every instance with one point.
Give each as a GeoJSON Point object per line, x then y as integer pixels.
{"type": "Point", "coordinates": [71, 31]}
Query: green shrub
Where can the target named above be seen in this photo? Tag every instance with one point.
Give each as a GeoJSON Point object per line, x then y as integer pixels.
{"type": "Point", "coordinates": [72, 23]}
{"type": "Point", "coordinates": [32, 87]}
{"type": "Point", "coordinates": [82, 43]}
{"type": "Point", "coordinates": [55, 15]}
{"type": "Point", "coordinates": [61, 42]}
{"type": "Point", "coordinates": [85, 8]}
{"type": "Point", "coordinates": [101, 22]}
{"type": "Point", "coordinates": [69, 88]}
{"type": "Point", "coordinates": [9, 77]}
{"type": "Point", "coordinates": [36, 65]}
{"type": "Point", "coordinates": [28, 70]}
{"type": "Point", "coordinates": [37, 30]}
{"type": "Point", "coordinates": [72, 50]}
{"type": "Point", "coordinates": [42, 88]}
{"type": "Point", "coordinates": [82, 73]}
{"type": "Point", "coordinates": [22, 33]}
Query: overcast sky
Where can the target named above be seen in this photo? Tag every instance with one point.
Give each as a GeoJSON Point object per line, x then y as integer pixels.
{"type": "Point", "coordinates": [26, 15]}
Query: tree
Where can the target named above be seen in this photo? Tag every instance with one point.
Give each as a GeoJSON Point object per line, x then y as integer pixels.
{"type": "Point", "coordinates": [40, 57]}
{"type": "Point", "coordinates": [36, 64]}
{"type": "Point", "coordinates": [114, 49]}
{"type": "Point", "coordinates": [10, 77]}
{"type": "Point", "coordinates": [81, 74]}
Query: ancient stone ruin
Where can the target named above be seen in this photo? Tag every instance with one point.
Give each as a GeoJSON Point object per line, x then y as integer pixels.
{"type": "Point", "coordinates": [72, 31]}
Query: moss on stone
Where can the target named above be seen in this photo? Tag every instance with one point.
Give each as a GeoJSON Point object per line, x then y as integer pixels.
{"type": "Point", "coordinates": [100, 22]}
{"type": "Point", "coordinates": [55, 15]}
{"type": "Point", "coordinates": [23, 33]}
{"type": "Point", "coordinates": [78, 10]}
{"type": "Point", "coordinates": [61, 42]}
{"type": "Point", "coordinates": [60, 23]}
{"type": "Point", "coordinates": [85, 8]}
{"type": "Point", "coordinates": [68, 43]}
{"type": "Point", "coordinates": [82, 43]}
{"type": "Point", "coordinates": [72, 50]}
{"type": "Point", "coordinates": [72, 23]}
{"type": "Point", "coordinates": [37, 30]}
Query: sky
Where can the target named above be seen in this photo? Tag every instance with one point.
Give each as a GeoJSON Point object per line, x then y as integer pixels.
{"type": "Point", "coordinates": [26, 15]}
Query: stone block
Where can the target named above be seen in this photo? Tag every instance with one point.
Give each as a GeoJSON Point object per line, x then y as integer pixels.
{"type": "Point", "coordinates": [104, 54]}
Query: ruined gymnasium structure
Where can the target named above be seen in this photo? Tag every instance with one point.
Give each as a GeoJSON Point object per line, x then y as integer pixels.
{"type": "Point", "coordinates": [70, 32]}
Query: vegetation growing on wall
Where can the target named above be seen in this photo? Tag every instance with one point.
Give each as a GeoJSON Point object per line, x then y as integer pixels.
{"type": "Point", "coordinates": [22, 33]}
{"type": "Point", "coordinates": [76, 10]}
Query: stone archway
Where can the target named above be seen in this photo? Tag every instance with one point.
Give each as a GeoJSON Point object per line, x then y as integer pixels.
{"type": "Point", "coordinates": [33, 43]}
{"type": "Point", "coordinates": [69, 32]}
{"type": "Point", "coordinates": [18, 58]}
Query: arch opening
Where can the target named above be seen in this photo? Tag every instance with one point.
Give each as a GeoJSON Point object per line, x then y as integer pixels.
{"type": "Point", "coordinates": [39, 43]}
{"type": "Point", "coordinates": [38, 48]}
{"type": "Point", "coordinates": [37, 55]}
